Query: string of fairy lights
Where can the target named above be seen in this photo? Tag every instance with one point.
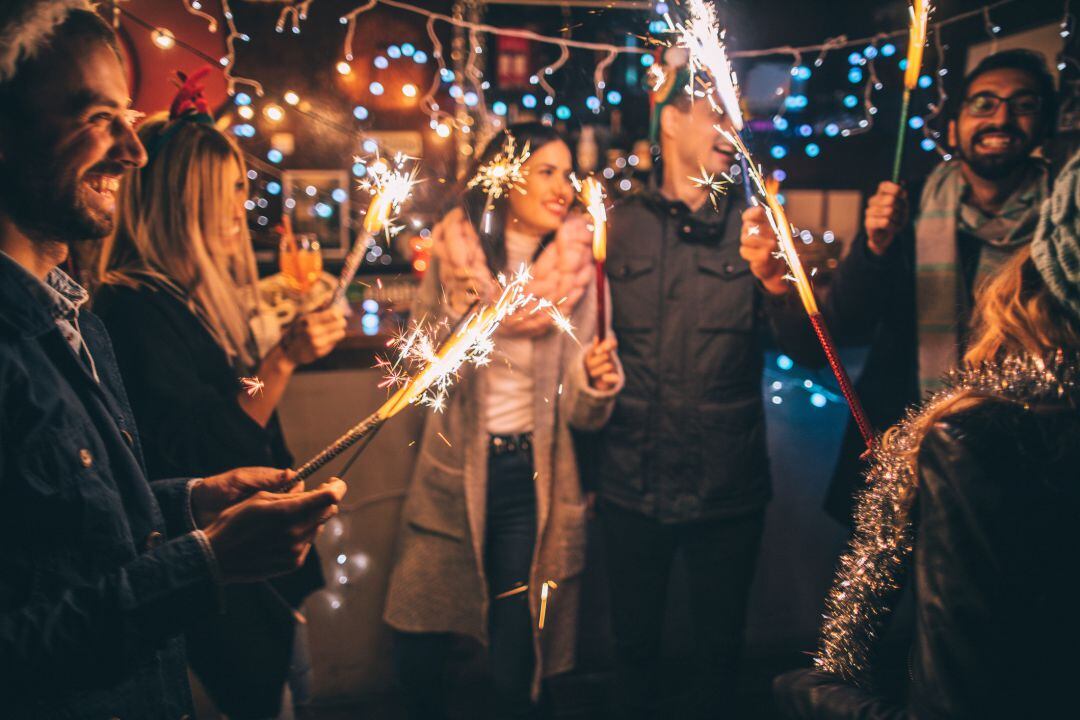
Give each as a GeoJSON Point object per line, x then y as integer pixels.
{"type": "Point", "coordinates": [458, 104]}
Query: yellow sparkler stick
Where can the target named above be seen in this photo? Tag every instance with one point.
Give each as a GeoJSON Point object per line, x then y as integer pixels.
{"type": "Point", "coordinates": [592, 195]}
{"type": "Point", "coordinates": [919, 12]}
{"type": "Point", "coordinates": [777, 218]}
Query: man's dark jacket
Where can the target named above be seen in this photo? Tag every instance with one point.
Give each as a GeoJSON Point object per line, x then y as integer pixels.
{"type": "Point", "coordinates": [686, 440]}
{"type": "Point", "coordinates": [100, 572]}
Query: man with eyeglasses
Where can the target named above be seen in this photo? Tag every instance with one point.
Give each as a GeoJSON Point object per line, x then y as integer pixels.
{"type": "Point", "coordinates": [908, 289]}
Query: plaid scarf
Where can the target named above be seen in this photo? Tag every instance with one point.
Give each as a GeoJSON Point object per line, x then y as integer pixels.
{"type": "Point", "coordinates": [943, 299]}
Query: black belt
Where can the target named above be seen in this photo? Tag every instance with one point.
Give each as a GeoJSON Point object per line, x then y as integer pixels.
{"type": "Point", "coordinates": [506, 444]}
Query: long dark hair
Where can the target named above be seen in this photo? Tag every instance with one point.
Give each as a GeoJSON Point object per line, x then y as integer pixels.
{"type": "Point", "coordinates": [475, 201]}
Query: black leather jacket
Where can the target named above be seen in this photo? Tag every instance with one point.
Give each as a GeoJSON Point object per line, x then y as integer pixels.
{"type": "Point", "coordinates": [994, 577]}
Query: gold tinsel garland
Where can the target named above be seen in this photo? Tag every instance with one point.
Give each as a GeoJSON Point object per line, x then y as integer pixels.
{"type": "Point", "coordinates": [873, 569]}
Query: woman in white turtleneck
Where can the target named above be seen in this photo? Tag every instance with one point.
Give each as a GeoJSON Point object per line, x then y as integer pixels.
{"type": "Point", "coordinates": [493, 538]}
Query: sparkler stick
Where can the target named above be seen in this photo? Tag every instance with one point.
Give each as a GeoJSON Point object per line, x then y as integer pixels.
{"type": "Point", "coordinates": [437, 367]}
{"type": "Point", "coordinates": [704, 41]}
{"type": "Point", "coordinates": [774, 211]}
{"type": "Point", "coordinates": [919, 11]}
{"type": "Point", "coordinates": [503, 173]}
{"type": "Point", "coordinates": [592, 195]}
{"type": "Point", "coordinates": [390, 187]}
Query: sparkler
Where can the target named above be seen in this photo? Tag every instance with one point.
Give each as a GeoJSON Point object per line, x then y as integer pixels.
{"type": "Point", "coordinates": [704, 41]}
{"type": "Point", "coordinates": [919, 12]}
{"type": "Point", "coordinates": [715, 183]}
{"type": "Point", "coordinates": [390, 187]}
{"type": "Point", "coordinates": [435, 368]}
{"type": "Point", "coordinates": [777, 218]}
{"type": "Point", "coordinates": [252, 385]}
{"type": "Point", "coordinates": [592, 195]}
{"type": "Point", "coordinates": [503, 173]}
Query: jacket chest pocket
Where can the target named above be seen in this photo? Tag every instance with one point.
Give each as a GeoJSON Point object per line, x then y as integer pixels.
{"type": "Point", "coordinates": [67, 490]}
{"type": "Point", "coordinates": [634, 290]}
{"type": "Point", "coordinates": [725, 294]}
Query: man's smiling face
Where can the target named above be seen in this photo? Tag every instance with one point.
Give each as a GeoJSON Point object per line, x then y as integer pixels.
{"type": "Point", "coordinates": [63, 152]}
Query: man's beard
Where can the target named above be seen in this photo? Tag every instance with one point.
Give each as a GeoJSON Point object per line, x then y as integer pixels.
{"type": "Point", "coordinates": [48, 205]}
{"type": "Point", "coordinates": [995, 167]}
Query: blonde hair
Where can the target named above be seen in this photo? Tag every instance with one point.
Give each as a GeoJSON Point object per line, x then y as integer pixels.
{"type": "Point", "coordinates": [1015, 315]}
{"type": "Point", "coordinates": [172, 215]}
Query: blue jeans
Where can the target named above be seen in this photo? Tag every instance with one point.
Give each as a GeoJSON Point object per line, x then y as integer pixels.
{"type": "Point", "coordinates": [422, 658]}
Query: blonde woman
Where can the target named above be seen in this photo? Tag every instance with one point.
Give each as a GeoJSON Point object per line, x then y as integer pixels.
{"type": "Point", "coordinates": [971, 510]}
{"type": "Point", "coordinates": [178, 297]}
{"type": "Point", "coordinates": [493, 540]}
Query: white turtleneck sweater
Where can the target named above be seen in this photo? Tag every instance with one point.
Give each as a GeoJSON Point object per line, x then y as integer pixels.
{"type": "Point", "coordinates": [509, 401]}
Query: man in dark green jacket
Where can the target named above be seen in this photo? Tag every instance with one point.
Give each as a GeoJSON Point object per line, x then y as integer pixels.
{"type": "Point", "coordinates": [682, 465]}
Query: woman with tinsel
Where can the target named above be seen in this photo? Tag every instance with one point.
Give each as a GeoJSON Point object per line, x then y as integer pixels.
{"type": "Point", "coordinates": [493, 538]}
{"type": "Point", "coordinates": [179, 299]}
{"type": "Point", "coordinates": [970, 516]}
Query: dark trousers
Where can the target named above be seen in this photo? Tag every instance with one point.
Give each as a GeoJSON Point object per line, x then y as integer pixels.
{"type": "Point", "coordinates": [720, 556]}
{"type": "Point", "coordinates": [422, 658]}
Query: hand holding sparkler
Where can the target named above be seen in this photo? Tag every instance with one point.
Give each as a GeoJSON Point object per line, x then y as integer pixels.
{"type": "Point", "coordinates": [782, 230]}
{"type": "Point", "coordinates": [760, 248]}
{"type": "Point", "coordinates": [600, 365]}
{"type": "Point", "coordinates": [594, 199]}
{"type": "Point", "coordinates": [919, 13]}
{"type": "Point", "coordinates": [313, 335]}
{"type": "Point", "coordinates": [886, 214]}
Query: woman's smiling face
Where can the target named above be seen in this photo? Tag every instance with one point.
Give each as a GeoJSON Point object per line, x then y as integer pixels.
{"type": "Point", "coordinates": [546, 193]}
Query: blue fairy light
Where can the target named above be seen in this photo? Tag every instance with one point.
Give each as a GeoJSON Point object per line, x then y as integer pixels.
{"type": "Point", "coordinates": [778, 151]}
{"type": "Point", "coordinates": [812, 150]}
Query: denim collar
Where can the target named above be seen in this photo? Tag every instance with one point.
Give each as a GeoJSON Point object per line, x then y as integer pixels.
{"type": "Point", "coordinates": [32, 306]}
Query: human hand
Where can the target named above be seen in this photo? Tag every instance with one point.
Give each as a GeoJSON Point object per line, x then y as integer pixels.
{"type": "Point", "coordinates": [270, 534]}
{"type": "Point", "coordinates": [600, 365]}
{"type": "Point", "coordinates": [211, 495]}
{"type": "Point", "coordinates": [759, 246]}
{"type": "Point", "coordinates": [313, 335]}
{"type": "Point", "coordinates": [886, 214]}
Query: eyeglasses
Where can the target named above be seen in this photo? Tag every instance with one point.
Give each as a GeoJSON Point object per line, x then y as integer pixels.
{"type": "Point", "coordinates": [986, 103]}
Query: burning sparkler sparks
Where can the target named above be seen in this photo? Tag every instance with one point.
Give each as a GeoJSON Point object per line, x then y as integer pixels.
{"type": "Point", "coordinates": [778, 221]}
{"type": "Point", "coordinates": [919, 12]}
{"type": "Point", "coordinates": [774, 212]}
{"type": "Point", "coordinates": [715, 183]}
{"type": "Point", "coordinates": [252, 385]}
{"type": "Point", "coordinates": [390, 186]}
{"type": "Point", "coordinates": [424, 372]}
{"type": "Point", "coordinates": [503, 173]}
{"type": "Point", "coordinates": [593, 197]}
{"type": "Point", "coordinates": [703, 39]}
